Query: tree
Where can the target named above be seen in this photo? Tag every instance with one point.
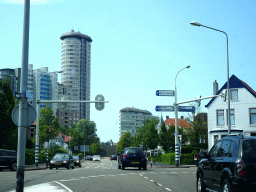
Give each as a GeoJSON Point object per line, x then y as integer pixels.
{"type": "Point", "coordinates": [125, 141]}
{"type": "Point", "coordinates": [49, 125]}
{"type": "Point", "coordinates": [198, 130]}
{"type": "Point", "coordinates": [9, 131]}
{"type": "Point", "coordinates": [82, 133]}
{"type": "Point", "coordinates": [96, 148]}
{"type": "Point", "coordinates": [151, 135]}
{"type": "Point", "coordinates": [165, 138]}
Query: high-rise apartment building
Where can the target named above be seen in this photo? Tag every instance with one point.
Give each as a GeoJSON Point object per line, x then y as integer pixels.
{"type": "Point", "coordinates": [76, 78]}
{"type": "Point", "coordinates": [130, 119]}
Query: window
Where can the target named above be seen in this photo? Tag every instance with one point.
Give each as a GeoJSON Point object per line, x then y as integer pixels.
{"type": "Point", "coordinates": [252, 116]}
{"type": "Point", "coordinates": [234, 94]}
{"type": "Point", "coordinates": [232, 117]}
{"type": "Point", "coordinates": [220, 117]}
{"type": "Point", "coordinates": [216, 138]}
{"type": "Point", "coordinates": [224, 149]}
{"type": "Point", "coordinates": [215, 149]}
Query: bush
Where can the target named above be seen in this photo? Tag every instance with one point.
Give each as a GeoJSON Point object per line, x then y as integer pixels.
{"type": "Point", "coordinates": [29, 156]}
{"type": "Point", "coordinates": [42, 158]}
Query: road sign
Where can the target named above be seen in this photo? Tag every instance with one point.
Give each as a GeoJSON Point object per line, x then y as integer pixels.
{"type": "Point", "coordinates": [164, 108]}
{"type": "Point", "coordinates": [31, 115]}
{"type": "Point", "coordinates": [165, 93]}
{"type": "Point", "coordinates": [29, 95]}
{"type": "Point", "coordinates": [84, 148]}
{"type": "Point", "coordinates": [187, 108]}
{"type": "Point", "coordinates": [99, 105]}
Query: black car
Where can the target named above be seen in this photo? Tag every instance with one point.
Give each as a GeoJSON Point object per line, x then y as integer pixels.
{"type": "Point", "coordinates": [229, 166]}
{"type": "Point", "coordinates": [62, 160]}
{"type": "Point", "coordinates": [113, 157]}
{"type": "Point", "coordinates": [88, 158]}
{"type": "Point", "coordinates": [8, 159]}
{"type": "Point", "coordinates": [132, 157]}
{"type": "Point", "coordinates": [77, 160]}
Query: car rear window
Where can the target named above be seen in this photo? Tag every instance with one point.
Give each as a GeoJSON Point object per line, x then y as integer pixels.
{"type": "Point", "coordinates": [133, 151]}
{"type": "Point", "coordinates": [249, 148]}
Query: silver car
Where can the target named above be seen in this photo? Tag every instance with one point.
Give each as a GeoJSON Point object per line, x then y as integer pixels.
{"type": "Point", "coordinates": [96, 158]}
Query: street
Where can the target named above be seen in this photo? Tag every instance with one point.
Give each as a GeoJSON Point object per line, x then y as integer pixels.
{"type": "Point", "coordinates": [104, 176]}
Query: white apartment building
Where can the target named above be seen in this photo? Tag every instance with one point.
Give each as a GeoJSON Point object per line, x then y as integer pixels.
{"type": "Point", "coordinates": [242, 111]}
{"type": "Point", "coordinates": [132, 118]}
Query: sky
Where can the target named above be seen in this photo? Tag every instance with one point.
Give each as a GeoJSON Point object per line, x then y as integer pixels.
{"type": "Point", "coordinates": [138, 47]}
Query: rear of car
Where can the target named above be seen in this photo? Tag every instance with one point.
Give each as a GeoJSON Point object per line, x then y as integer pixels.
{"type": "Point", "coordinates": [96, 158]}
{"type": "Point", "coordinates": [62, 160]}
{"type": "Point", "coordinates": [133, 157]}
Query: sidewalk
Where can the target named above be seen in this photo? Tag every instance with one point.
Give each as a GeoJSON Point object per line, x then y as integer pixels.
{"type": "Point", "coordinates": [33, 167]}
{"type": "Point", "coordinates": [163, 165]}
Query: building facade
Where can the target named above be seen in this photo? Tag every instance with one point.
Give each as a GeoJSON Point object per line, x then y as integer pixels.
{"type": "Point", "coordinates": [242, 111]}
{"type": "Point", "coordinates": [130, 119]}
{"type": "Point", "coordinates": [13, 80]}
{"type": "Point", "coordinates": [76, 78]}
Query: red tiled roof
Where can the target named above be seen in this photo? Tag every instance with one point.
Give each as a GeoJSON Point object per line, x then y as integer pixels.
{"type": "Point", "coordinates": [66, 138]}
{"type": "Point", "coordinates": [181, 122]}
{"type": "Point", "coordinates": [248, 87]}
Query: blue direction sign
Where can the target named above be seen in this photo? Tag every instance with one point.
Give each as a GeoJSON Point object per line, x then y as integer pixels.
{"type": "Point", "coordinates": [165, 93]}
{"type": "Point", "coordinates": [29, 95]}
{"type": "Point", "coordinates": [187, 108]}
{"type": "Point", "coordinates": [164, 108]}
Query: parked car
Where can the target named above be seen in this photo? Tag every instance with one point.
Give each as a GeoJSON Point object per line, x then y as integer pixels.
{"type": "Point", "coordinates": [77, 160]}
{"type": "Point", "coordinates": [62, 160]}
{"type": "Point", "coordinates": [132, 157]}
{"type": "Point", "coordinates": [113, 157]}
{"type": "Point", "coordinates": [8, 159]}
{"type": "Point", "coordinates": [88, 157]}
{"type": "Point", "coordinates": [96, 158]}
{"type": "Point", "coordinates": [230, 165]}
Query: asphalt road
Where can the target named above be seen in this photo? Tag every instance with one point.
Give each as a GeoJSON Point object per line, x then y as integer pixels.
{"type": "Point", "coordinates": [104, 176]}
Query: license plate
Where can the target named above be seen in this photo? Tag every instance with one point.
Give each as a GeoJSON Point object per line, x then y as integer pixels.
{"type": "Point", "coordinates": [57, 164]}
{"type": "Point", "coordinates": [135, 162]}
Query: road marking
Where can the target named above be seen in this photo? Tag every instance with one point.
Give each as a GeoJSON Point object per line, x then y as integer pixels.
{"type": "Point", "coordinates": [151, 180]}
{"type": "Point", "coordinates": [132, 173]}
{"type": "Point", "coordinates": [122, 174]}
{"type": "Point", "coordinates": [63, 186]}
{"type": "Point", "coordinates": [162, 172]}
{"type": "Point", "coordinates": [168, 189]}
{"type": "Point", "coordinates": [159, 184]}
{"type": "Point", "coordinates": [184, 172]}
{"type": "Point", "coordinates": [83, 177]}
{"type": "Point", "coordinates": [92, 176]}
{"type": "Point", "coordinates": [111, 175]}
{"type": "Point", "coordinates": [173, 172]}
{"type": "Point", "coordinates": [145, 177]}
{"type": "Point", "coordinates": [102, 175]}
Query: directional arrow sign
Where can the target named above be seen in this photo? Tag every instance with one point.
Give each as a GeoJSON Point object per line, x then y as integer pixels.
{"type": "Point", "coordinates": [29, 95]}
{"type": "Point", "coordinates": [164, 108]}
{"type": "Point", "coordinates": [165, 93]}
{"type": "Point", "coordinates": [187, 108]}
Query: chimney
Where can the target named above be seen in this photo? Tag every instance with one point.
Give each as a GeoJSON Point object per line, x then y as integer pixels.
{"type": "Point", "coordinates": [215, 87]}
{"type": "Point", "coordinates": [167, 117]}
{"type": "Point", "coordinates": [181, 117]}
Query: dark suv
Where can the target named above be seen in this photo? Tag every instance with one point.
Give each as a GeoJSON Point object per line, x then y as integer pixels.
{"type": "Point", "coordinates": [229, 166]}
{"type": "Point", "coordinates": [132, 157]}
{"type": "Point", "coordinates": [8, 159]}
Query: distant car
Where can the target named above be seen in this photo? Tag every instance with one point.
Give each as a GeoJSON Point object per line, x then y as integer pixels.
{"type": "Point", "coordinates": [8, 159]}
{"type": "Point", "coordinates": [88, 157]}
{"type": "Point", "coordinates": [77, 160]}
{"type": "Point", "coordinates": [113, 157]}
{"type": "Point", "coordinates": [62, 160]}
{"type": "Point", "coordinates": [132, 157]}
{"type": "Point", "coordinates": [96, 158]}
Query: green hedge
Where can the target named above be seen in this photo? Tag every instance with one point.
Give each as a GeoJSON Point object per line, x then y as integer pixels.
{"type": "Point", "coordinates": [169, 158]}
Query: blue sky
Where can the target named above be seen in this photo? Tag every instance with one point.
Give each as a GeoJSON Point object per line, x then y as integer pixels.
{"type": "Point", "coordinates": [138, 47]}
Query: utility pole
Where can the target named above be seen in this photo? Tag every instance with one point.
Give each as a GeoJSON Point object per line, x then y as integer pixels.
{"type": "Point", "coordinates": [23, 101]}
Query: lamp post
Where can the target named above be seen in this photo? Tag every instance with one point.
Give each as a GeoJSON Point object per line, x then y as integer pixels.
{"type": "Point", "coordinates": [177, 153]}
{"type": "Point", "coordinates": [194, 23]}
{"type": "Point", "coordinates": [37, 120]}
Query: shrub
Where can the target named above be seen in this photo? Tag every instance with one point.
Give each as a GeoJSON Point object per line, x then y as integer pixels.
{"type": "Point", "coordinates": [29, 156]}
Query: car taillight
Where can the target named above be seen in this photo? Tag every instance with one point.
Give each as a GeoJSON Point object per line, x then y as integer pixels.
{"type": "Point", "coordinates": [143, 156]}
{"type": "Point", "coordinates": [124, 156]}
{"type": "Point", "coordinates": [240, 167]}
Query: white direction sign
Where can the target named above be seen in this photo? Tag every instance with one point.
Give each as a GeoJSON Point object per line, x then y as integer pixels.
{"type": "Point", "coordinates": [165, 93]}
{"type": "Point", "coordinates": [164, 108]}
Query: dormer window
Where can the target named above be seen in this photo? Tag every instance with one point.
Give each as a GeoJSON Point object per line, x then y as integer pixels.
{"type": "Point", "coordinates": [234, 94]}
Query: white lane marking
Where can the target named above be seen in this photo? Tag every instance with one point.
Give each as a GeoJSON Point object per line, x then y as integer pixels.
{"type": "Point", "coordinates": [162, 172]}
{"type": "Point", "coordinates": [92, 176]}
{"type": "Point", "coordinates": [168, 189]}
{"type": "Point", "coordinates": [122, 174]}
{"type": "Point", "coordinates": [145, 177]}
{"type": "Point", "coordinates": [132, 173]}
{"type": "Point", "coordinates": [111, 175]}
{"type": "Point", "coordinates": [151, 180]}
{"type": "Point", "coordinates": [159, 184]}
{"type": "Point", "coordinates": [83, 177]}
{"type": "Point", "coordinates": [173, 172]}
{"type": "Point", "coordinates": [102, 175]}
{"type": "Point", "coordinates": [63, 186]}
{"type": "Point", "coordinates": [184, 172]}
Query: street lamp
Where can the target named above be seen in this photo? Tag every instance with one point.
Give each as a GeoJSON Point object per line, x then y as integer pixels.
{"type": "Point", "coordinates": [194, 23]}
{"type": "Point", "coordinates": [37, 120]}
{"type": "Point", "coordinates": [177, 152]}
